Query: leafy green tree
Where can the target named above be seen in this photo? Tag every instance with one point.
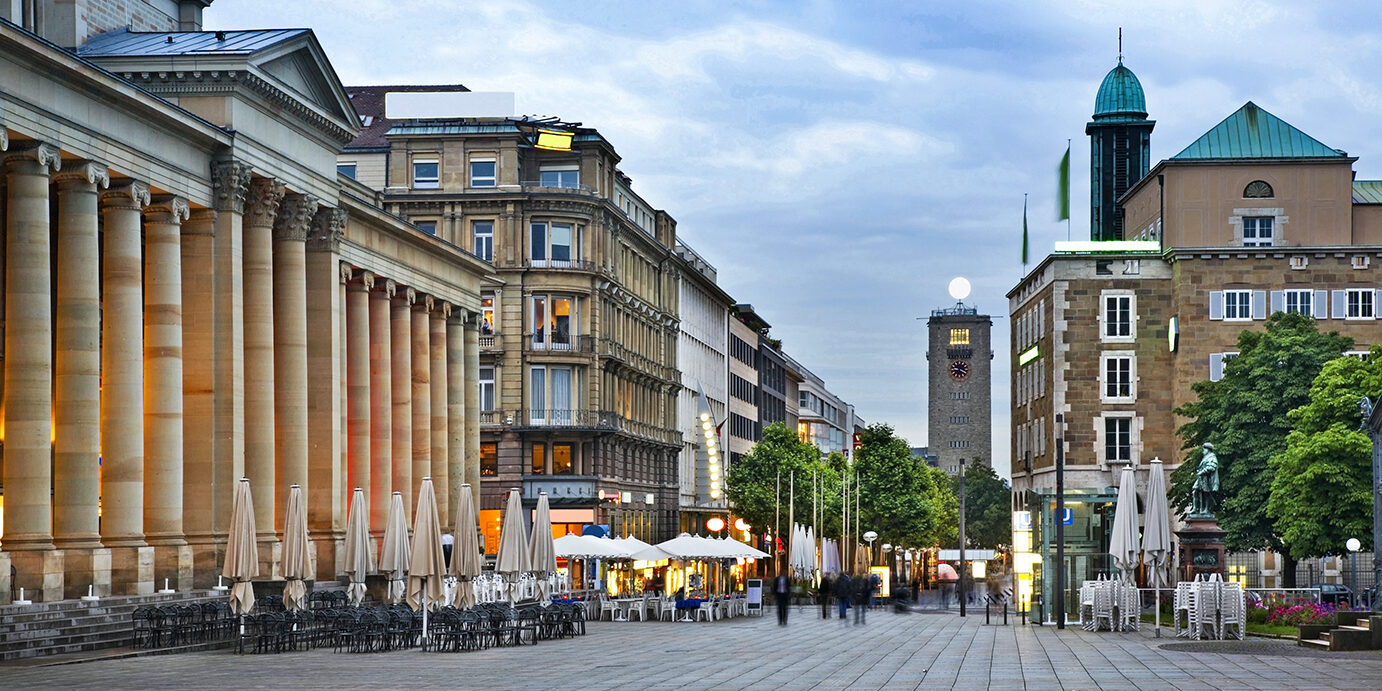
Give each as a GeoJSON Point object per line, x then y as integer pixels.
{"type": "Point", "coordinates": [902, 498]}
{"type": "Point", "coordinates": [759, 483]}
{"type": "Point", "coordinates": [988, 506]}
{"type": "Point", "coordinates": [1320, 492]}
{"type": "Point", "coordinates": [1244, 415]}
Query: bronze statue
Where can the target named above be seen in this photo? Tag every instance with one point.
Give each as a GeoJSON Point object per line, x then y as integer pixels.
{"type": "Point", "coordinates": [1206, 487]}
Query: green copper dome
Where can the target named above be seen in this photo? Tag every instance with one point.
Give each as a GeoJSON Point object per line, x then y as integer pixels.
{"type": "Point", "coordinates": [1120, 96]}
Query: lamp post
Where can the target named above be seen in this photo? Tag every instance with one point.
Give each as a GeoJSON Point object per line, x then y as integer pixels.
{"type": "Point", "coordinates": [1372, 417]}
{"type": "Point", "coordinates": [1353, 545]}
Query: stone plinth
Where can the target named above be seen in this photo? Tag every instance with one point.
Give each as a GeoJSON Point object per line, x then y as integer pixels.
{"type": "Point", "coordinates": [39, 573]}
{"type": "Point", "coordinates": [1201, 548]}
{"type": "Point", "coordinates": [132, 570]}
{"type": "Point", "coordinates": [174, 563]}
{"type": "Point", "coordinates": [86, 567]}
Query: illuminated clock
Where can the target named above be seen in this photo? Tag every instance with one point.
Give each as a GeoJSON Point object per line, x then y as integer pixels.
{"type": "Point", "coordinates": [959, 369]}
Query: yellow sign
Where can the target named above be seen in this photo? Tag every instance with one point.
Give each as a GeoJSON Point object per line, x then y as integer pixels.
{"type": "Point", "coordinates": [553, 140]}
{"type": "Point", "coordinates": [885, 575]}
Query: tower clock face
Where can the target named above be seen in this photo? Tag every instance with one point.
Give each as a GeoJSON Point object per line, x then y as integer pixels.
{"type": "Point", "coordinates": [959, 369]}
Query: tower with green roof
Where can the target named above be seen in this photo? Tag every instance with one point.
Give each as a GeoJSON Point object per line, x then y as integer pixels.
{"type": "Point", "coordinates": [1120, 149]}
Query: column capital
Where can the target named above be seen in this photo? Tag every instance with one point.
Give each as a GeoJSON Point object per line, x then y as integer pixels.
{"type": "Point", "coordinates": [44, 154]}
{"type": "Point", "coordinates": [347, 272]}
{"type": "Point", "coordinates": [427, 303]}
{"type": "Point", "coordinates": [4, 137]}
{"type": "Point", "coordinates": [133, 196]}
{"type": "Point", "coordinates": [328, 228]}
{"type": "Point", "coordinates": [294, 216]}
{"type": "Point", "coordinates": [470, 319]}
{"type": "Point", "coordinates": [407, 295]}
{"type": "Point", "coordinates": [168, 210]}
{"type": "Point", "coordinates": [230, 179]}
{"type": "Point", "coordinates": [444, 309]}
{"type": "Point", "coordinates": [265, 196]}
{"type": "Point", "coordinates": [84, 173]}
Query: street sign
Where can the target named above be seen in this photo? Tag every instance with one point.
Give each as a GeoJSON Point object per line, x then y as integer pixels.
{"type": "Point", "coordinates": [858, 441]}
{"type": "Point", "coordinates": [1067, 516]}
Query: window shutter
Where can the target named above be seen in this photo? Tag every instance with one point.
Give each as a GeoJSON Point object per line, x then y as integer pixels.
{"type": "Point", "coordinates": [1278, 301]}
{"type": "Point", "coordinates": [1259, 304]}
{"type": "Point", "coordinates": [1216, 366]}
{"type": "Point", "coordinates": [1216, 304]}
{"type": "Point", "coordinates": [1340, 299]}
{"type": "Point", "coordinates": [1321, 304]}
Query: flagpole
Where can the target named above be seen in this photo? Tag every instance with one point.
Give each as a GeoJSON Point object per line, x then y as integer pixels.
{"type": "Point", "coordinates": [1067, 189]}
{"type": "Point", "coordinates": [1024, 235]}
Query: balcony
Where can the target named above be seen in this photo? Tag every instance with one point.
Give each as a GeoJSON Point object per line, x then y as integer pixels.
{"type": "Point", "coordinates": [537, 186]}
{"type": "Point", "coordinates": [491, 342]}
{"type": "Point", "coordinates": [561, 489]}
{"type": "Point", "coordinates": [560, 264]}
{"type": "Point", "coordinates": [491, 417]}
{"type": "Point", "coordinates": [611, 349]}
{"type": "Point", "coordinates": [959, 352]}
{"type": "Point", "coordinates": [590, 420]}
{"type": "Point", "coordinates": [558, 343]}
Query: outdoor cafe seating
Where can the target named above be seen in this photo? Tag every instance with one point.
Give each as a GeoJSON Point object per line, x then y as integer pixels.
{"type": "Point", "coordinates": [1110, 605]}
{"type": "Point", "coordinates": [1210, 609]}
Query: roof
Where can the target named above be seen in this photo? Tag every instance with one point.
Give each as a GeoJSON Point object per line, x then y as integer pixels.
{"type": "Point", "coordinates": [1367, 191]}
{"type": "Point", "coordinates": [1252, 132]}
{"type": "Point", "coordinates": [123, 42]}
{"type": "Point", "coordinates": [369, 103]}
{"type": "Point", "coordinates": [1120, 96]}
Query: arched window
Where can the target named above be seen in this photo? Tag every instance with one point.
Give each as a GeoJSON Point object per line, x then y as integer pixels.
{"type": "Point", "coordinates": [1258, 189]}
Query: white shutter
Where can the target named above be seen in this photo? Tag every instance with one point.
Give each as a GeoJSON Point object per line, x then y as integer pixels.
{"type": "Point", "coordinates": [1321, 304]}
{"type": "Point", "coordinates": [1216, 366]}
{"type": "Point", "coordinates": [1259, 304]}
{"type": "Point", "coordinates": [1340, 299]}
{"type": "Point", "coordinates": [1216, 304]}
{"type": "Point", "coordinates": [1278, 301]}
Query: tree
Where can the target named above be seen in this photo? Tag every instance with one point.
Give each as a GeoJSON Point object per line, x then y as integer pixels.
{"type": "Point", "coordinates": [1244, 415]}
{"type": "Point", "coordinates": [758, 484]}
{"type": "Point", "coordinates": [902, 498]}
{"type": "Point", "coordinates": [988, 506]}
{"type": "Point", "coordinates": [1321, 483]}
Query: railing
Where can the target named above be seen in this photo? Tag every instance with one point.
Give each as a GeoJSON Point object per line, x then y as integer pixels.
{"type": "Point", "coordinates": [639, 362]}
{"type": "Point", "coordinates": [590, 419]}
{"type": "Point", "coordinates": [491, 417]}
{"type": "Point", "coordinates": [959, 353]}
{"type": "Point", "coordinates": [536, 185]}
{"type": "Point", "coordinates": [560, 264]}
{"type": "Point", "coordinates": [559, 486]}
{"type": "Point", "coordinates": [558, 343]}
{"type": "Point", "coordinates": [491, 341]}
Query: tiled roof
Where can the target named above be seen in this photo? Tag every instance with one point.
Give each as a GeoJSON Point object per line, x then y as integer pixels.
{"type": "Point", "coordinates": [369, 103]}
{"type": "Point", "coordinates": [1252, 132]}
{"type": "Point", "coordinates": [126, 43]}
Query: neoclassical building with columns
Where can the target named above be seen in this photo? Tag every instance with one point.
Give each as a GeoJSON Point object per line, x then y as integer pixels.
{"type": "Point", "coordinates": [191, 294]}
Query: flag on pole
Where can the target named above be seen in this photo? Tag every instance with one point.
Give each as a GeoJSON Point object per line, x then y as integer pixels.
{"type": "Point", "coordinates": [1024, 230]}
{"type": "Point", "coordinates": [1063, 190]}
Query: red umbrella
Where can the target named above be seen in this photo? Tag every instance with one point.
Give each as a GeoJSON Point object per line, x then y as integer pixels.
{"type": "Point", "coordinates": [946, 572]}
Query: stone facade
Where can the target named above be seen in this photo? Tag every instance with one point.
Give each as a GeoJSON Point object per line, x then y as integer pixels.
{"type": "Point", "coordinates": [959, 360]}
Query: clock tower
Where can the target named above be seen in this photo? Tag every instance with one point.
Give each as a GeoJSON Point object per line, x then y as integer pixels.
{"type": "Point", "coordinates": [959, 360]}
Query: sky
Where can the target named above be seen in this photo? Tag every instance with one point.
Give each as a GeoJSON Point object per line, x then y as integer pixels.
{"type": "Point", "coordinates": [840, 162]}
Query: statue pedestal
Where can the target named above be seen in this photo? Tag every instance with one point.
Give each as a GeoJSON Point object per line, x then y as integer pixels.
{"type": "Point", "coordinates": [1201, 548]}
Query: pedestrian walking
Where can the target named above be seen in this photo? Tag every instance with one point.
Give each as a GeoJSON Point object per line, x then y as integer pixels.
{"type": "Point", "coordinates": [863, 590]}
{"type": "Point", "coordinates": [843, 590]}
{"type": "Point", "coordinates": [823, 594]}
{"type": "Point", "coordinates": [782, 588]}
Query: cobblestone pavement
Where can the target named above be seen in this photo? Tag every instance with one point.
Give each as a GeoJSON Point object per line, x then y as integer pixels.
{"type": "Point", "coordinates": [891, 651]}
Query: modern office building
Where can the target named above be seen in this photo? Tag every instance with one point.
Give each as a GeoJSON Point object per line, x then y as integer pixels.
{"type": "Point", "coordinates": [959, 360]}
{"type": "Point", "coordinates": [703, 359]}
{"type": "Point", "coordinates": [1253, 217]}
{"type": "Point", "coordinates": [193, 296]}
{"type": "Point", "coordinates": [823, 418]}
{"type": "Point", "coordinates": [578, 356]}
{"type": "Point", "coordinates": [743, 428]}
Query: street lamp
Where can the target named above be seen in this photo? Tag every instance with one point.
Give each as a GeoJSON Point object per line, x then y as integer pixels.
{"type": "Point", "coordinates": [1353, 546]}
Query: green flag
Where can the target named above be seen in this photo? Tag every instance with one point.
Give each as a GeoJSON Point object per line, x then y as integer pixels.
{"type": "Point", "coordinates": [1063, 191]}
{"type": "Point", "coordinates": [1024, 230]}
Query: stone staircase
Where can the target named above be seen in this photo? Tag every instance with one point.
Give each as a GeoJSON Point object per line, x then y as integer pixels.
{"type": "Point", "coordinates": [1356, 631]}
{"type": "Point", "coordinates": [52, 629]}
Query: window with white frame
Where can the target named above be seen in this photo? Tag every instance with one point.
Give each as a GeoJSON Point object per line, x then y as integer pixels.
{"type": "Point", "coordinates": [560, 176]}
{"type": "Point", "coordinates": [1299, 302]}
{"type": "Point", "coordinates": [1360, 303]}
{"type": "Point", "coordinates": [429, 227]}
{"type": "Point", "coordinates": [1217, 362]}
{"type": "Point", "coordinates": [482, 239]}
{"type": "Point", "coordinates": [554, 244]}
{"type": "Point", "coordinates": [1257, 231]}
{"type": "Point", "coordinates": [1118, 439]}
{"type": "Point", "coordinates": [1119, 372]}
{"type": "Point", "coordinates": [1118, 316]}
{"type": "Point", "coordinates": [346, 169]}
{"type": "Point", "coordinates": [426, 174]}
{"type": "Point", "coordinates": [1237, 304]}
{"type": "Point", "coordinates": [483, 172]}
{"type": "Point", "coordinates": [554, 322]}
{"type": "Point", "coordinates": [551, 394]}
{"type": "Point", "coordinates": [486, 313]}
{"type": "Point", "coordinates": [487, 387]}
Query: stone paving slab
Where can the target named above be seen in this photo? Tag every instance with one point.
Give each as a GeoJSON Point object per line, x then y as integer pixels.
{"type": "Point", "coordinates": [891, 651]}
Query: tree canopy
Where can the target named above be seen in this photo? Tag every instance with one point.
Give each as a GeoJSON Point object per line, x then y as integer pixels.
{"type": "Point", "coordinates": [759, 483]}
{"type": "Point", "coordinates": [988, 506]}
{"type": "Point", "coordinates": [1320, 489]}
{"type": "Point", "coordinates": [902, 498]}
{"type": "Point", "coordinates": [1245, 415]}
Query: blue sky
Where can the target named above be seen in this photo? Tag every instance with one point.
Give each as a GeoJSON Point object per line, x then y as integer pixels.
{"type": "Point", "coordinates": [840, 162]}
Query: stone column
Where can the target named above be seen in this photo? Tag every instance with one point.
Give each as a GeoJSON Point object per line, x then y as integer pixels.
{"type": "Point", "coordinates": [290, 346]}
{"type": "Point", "coordinates": [198, 438]}
{"type": "Point", "coordinates": [472, 404]}
{"type": "Point", "coordinates": [77, 368]}
{"type": "Point", "coordinates": [359, 397]}
{"type": "Point", "coordinates": [439, 430]}
{"type": "Point", "coordinates": [421, 393]}
{"type": "Point", "coordinates": [381, 399]}
{"type": "Point", "coordinates": [163, 391]}
{"type": "Point", "coordinates": [122, 390]}
{"type": "Point", "coordinates": [27, 420]}
{"type": "Point", "coordinates": [266, 195]}
{"type": "Point", "coordinates": [325, 319]}
{"type": "Point", "coordinates": [401, 359]}
{"type": "Point", "coordinates": [455, 406]}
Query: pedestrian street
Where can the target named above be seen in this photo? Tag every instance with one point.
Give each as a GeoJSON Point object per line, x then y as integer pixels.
{"type": "Point", "coordinates": [930, 650]}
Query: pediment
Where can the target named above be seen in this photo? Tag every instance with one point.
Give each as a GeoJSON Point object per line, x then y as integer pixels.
{"type": "Point", "coordinates": [300, 68]}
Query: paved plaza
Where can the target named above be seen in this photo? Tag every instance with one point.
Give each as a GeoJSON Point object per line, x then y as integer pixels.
{"type": "Point", "coordinates": [891, 651]}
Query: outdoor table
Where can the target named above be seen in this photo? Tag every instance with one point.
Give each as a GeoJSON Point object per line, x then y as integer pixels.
{"type": "Point", "coordinates": [685, 607]}
{"type": "Point", "coordinates": [625, 604]}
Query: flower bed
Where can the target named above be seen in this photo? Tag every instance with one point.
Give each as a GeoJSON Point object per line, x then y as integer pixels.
{"type": "Point", "coordinates": [1301, 612]}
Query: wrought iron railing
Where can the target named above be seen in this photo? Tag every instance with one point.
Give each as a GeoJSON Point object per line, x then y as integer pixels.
{"type": "Point", "coordinates": [558, 343]}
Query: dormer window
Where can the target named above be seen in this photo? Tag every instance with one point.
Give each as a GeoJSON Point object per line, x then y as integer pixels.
{"type": "Point", "coordinates": [1257, 189]}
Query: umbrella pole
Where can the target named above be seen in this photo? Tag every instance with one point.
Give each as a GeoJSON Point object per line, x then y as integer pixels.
{"type": "Point", "coordinates": [1158, 605]}
{"type": "Point", "coordinates": [424, 615]}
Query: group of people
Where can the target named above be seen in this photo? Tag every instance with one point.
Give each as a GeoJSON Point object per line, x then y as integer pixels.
{"type": "Point", "coordinates": [855, 592]}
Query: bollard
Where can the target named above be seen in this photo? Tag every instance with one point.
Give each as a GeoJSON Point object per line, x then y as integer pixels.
{"type": "Point", "coordinates": [1005, 612]}
{"type": "Point", "coordinates": [986, 611]}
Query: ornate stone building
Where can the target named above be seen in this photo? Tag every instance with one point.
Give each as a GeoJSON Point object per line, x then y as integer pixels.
{"type": "Point", "coordinates": [959, 366]}
{"type": "Point", "coordinates": [578, 363]}
{"type": "Point", "coordinates": [192, 295]}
